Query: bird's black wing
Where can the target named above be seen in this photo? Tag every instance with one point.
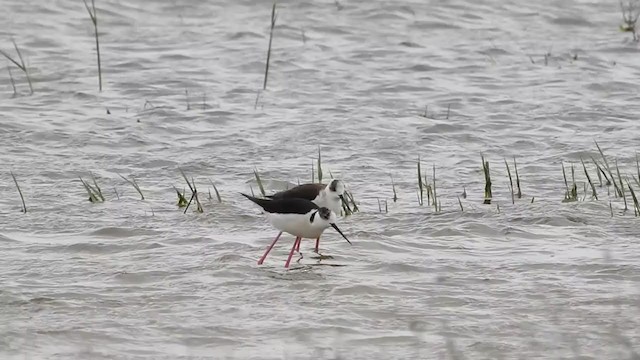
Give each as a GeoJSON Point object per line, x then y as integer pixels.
{"type": "Point", "coordinates": [304, 191]}
{"type": "Point", "coordinates": [284, 206]}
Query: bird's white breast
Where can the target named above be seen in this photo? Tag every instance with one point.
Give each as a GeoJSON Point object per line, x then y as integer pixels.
{"type": "Point", "coordinates": [296, 224]}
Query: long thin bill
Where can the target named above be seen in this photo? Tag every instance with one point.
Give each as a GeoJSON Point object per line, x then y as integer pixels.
{"type": "Point", "coordinates": [340, 232]}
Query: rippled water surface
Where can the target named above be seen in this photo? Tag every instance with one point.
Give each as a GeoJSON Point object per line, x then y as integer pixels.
{"type": "Point", "coordinates": [538, 279]}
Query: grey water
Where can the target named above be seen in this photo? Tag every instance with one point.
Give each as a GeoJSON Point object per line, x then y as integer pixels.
{"type": "Point", "coordinates": [374, 85]}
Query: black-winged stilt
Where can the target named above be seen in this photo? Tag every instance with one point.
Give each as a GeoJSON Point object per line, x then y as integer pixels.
{"type": "Point", "coordinates": [299, 217]}
{"type": "Point", "coordinates": [329, 195]}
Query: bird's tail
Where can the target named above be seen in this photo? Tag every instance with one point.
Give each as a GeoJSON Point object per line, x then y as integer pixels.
{"type": "Point", "coordinates": [261, 202]}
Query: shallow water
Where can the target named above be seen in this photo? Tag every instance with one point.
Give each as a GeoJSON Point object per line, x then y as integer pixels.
{"type": "Point", "coordinates": [140, 279]}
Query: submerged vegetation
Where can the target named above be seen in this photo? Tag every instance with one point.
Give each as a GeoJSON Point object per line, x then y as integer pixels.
{"type": "Point", "coordinates": [619, 185]}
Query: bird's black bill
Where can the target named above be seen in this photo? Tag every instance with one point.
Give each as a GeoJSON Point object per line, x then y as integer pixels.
{"type": "Point", "coordinates": [340, 232]}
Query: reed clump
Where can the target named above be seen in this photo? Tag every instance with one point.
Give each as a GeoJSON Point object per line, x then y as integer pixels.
{"type": "Point", "coordinates": [94, 191]}
{"type": "Point", "coordinates": [182, 201]}
{"type": "Point", "coordinates": [194, 193]}
{"type": "Point", "coordinates": [351, 200]}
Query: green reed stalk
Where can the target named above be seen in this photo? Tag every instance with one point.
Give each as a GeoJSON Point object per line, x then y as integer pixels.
{"type": "Point", "coordinates": [636, 205]}
{"type": "Point", "coordinates": [135, 185]}
{"type": "Point", "coordinates": [515, 166]}
{"type": "Point", "coordinates": [13, 83]}
{"type": "Point", "coordinates": [420, 185]}
{"type": "Point", "coordinates": [487, 178]}
{"type": "Point", "coordinates": [345, 207]}
{"type": "Point", "coordinates": [194, 193]}
{"type": "Point", "coordinates": [611, 208]}
{"type": "Point", "coordinates": [599, 176]}
{"type": "Point", "coordinates": [593, 187]}
{"type": "Point", "coordinates": [319, 166]}
{"type": "Point", "coordinates": [21, 65]}
{"type": "Point", "coordinates": [313, 173]}
{"type": "Point", "coordinates": [273, 25]}
{"type": "Point", "coordinates": [513, 198]}
{"type": "Point", "coordinates": [638, 169]}
{"type": "Point", "coordinates": [216, 190]}
{"type": "Point", "coordinates": [601, 172]}
{"type": "Point", "coordinates": [255, 172]}
{"type": "Point", "coordinates": [566, 185]}
{"type": "Point", "coordinates": [24, 206]}
{"type": "Point", "coordinates": [393, 187]}
{"type": "Point", "coordinates": [435, 203]}
{"type": "Point", "coordinates": [353, 201]}
{"type": "Point", "coordinates": [574, 186]}
{"type": "Point", "coordinates": [615, 185]}
{"type": "Point", "coordinates": [94, 19]}
{"type": "Point", "coordinates": [624, 197]}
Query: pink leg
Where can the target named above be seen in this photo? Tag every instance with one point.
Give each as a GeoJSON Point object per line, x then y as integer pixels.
{"type": "Point", "coordinates": [269, 249]}
{"type": "Point", "coordinates": [317, 244]}
{"type": "Point", "coordinates": [293, 248]}
{"type": "Point", "coordinates": [298, 246]}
